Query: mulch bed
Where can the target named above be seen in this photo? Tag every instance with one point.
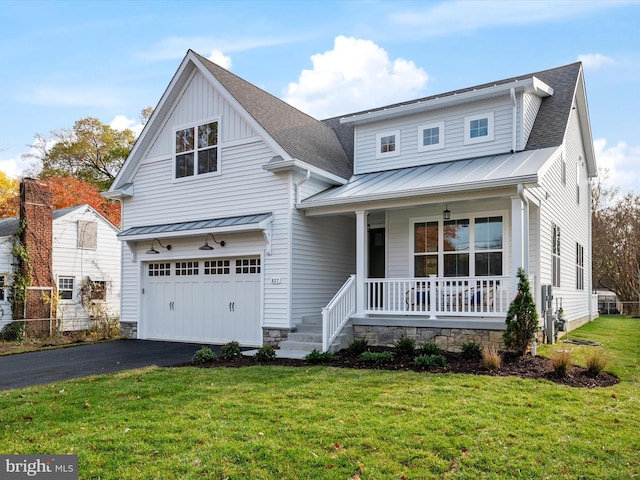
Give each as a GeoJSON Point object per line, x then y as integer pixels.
{"type": "Point", "coordinates": [512, 366]}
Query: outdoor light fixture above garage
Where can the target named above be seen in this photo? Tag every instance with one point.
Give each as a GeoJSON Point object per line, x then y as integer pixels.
{"type": "Point", "coordinates": [153, 251]}
{"type": "Point", "coordinates": [206, 245]}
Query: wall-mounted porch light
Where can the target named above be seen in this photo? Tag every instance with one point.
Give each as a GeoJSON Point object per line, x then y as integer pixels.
{"type": "Point", "coordinates": [153, 251]}
{"type": "Point", "coordinates": [206, 245]}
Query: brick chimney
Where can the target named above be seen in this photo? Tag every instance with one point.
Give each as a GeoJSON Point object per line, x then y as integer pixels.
{"type": "Point", "coordinates": [36, 215]}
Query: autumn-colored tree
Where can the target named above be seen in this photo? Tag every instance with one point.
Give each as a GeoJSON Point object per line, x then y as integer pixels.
{"type": "Point", "coordinates": [9, 188]}
{"type": "Point", "coordinates": [90, 150]}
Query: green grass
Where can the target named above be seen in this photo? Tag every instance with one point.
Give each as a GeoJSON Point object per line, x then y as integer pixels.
{"type": "Point", "coordinates": [269, 422]}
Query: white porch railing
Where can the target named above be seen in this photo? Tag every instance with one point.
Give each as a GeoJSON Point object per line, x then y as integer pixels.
{"type": "Point", "coordinates": [337, 313]}
{"type": "Point", "coordinates": [433, 296]}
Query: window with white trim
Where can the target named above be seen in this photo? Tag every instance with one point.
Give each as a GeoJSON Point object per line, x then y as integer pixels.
{"type": "Point", "coordinates": [159, 269]}
{"type": "Point", "coordinates": [196, 151]}
{"type": "Point", "coordinates": [187, 268]}
{"type": "Point", "coordinates": [248, 265]}
{"type": "Point", "coordinates": [65, 287]}
{"type": "Point", "coordinates": [578, 184]}
{"type": "Point", "coordinates": [426, 252]}
{"type": "Point", "coordinates": [555, 255]}
{"type": "Point", "coordinates": [431, 137]}
{"type": "Point", "coordinates": [388, 144]}
{"type": "Point", "coordinates": [579, 267]}
{"type": "Point", "coordinates": [216, 267]}
{"type": "Point", "coordinates": [478, 128]}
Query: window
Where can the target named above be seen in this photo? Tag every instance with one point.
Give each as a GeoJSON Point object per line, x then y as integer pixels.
{"type": "Point", "coordinates": [431, 137]}
{"type": "Point", "coordinates": [248, 265]}
{"type": "Point", "coordinates": [97, 290]}
{"type": "Point", "coordinates": [578, 184]}
{"type": "Point", "coordinates": [579, 267]}
{"type": "Point", "coordinates": [65, 288]}
{"type": "Point", "coordinates": [563, 171]}
{"type": "Point", "coordinates": [187, 268]}
{"type": "Point", "coordinates": [426, 235]}
{"type": "Point", "coordinates": [488, 246]}
{"type": "Point", "coordinates": [197, 150]}
{"type": "Point", "coordinates": [446, 247]}
{"type": "Point", "coordinates": [216, 267]}
{"type": "Point", "coordinates": [555, 255]}
{"type": "Point", "coordinates": [159, 269]}
{"type": "Point", "coordinates": [87, 235]}
{"type": "Point", "coordinates": [478, 128]}
{"type": "Point", "coordinates": [387, 144]}
{"type": "Point", "coordinates": [3, 295]}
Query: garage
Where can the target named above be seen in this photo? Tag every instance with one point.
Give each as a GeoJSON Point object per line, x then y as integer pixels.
{"type": "Point", "coordinates": [203, 301]}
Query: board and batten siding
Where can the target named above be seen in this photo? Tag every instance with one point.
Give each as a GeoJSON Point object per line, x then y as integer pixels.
{"type": "Point", "coordinates": [99, 264]}
{"type": "Point", "coordinates": [563, 209]}
{"type": "Point", "coordinates": [198, 102]}
{"type": "Point", "coordinates": [365, 160]}
{"type": "Point", "coordinates": [242, 188]}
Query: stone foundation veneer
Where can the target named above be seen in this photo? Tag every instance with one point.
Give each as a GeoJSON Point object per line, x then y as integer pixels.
{"type": "Point", "coordinates": [129, 330]}
{"type": "Point", "coordinates": [273, 336]}
{"type": "Point", "coordinates": [449, 339]}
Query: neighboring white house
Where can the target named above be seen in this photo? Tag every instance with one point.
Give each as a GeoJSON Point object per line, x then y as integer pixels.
{"type": "Point", "coordinates": [425, 208]}
{"type": "Point", "coordinates": [85, 258]}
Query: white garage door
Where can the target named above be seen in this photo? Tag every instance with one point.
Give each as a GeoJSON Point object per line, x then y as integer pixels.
{"type": "Point", "coordinates": [204, 301]}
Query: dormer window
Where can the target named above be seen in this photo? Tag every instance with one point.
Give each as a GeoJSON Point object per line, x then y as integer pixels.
{"type": "Point", "coordinates": [478, 128]}
{"type": "Point", "coordinates": [431, 137]}
{"type": "Point", "coordinates": [388, 144]}
{"type": "Point", "coordinates": [197, 150]}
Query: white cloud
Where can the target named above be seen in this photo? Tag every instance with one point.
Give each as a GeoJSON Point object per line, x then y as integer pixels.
{"type": "Point", "coordinates": [121, 122]}
{"type": "Point", "coordinates": [355, 75]}
{"type": "Point", "coordinates": [220, 58]}
{"type": "Point", "coordinates": [593, 61]}
{"type": "Point", "coordinates": [12, 167]}
{"type": "Point", "coordinates": [620, 162]}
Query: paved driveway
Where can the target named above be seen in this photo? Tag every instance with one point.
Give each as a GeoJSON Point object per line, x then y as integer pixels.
{"type": "Point", "coordinates": [35, 368]}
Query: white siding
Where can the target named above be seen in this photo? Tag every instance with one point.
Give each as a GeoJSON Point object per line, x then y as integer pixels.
{"type": "Point", "coordinates": [6, 269]}
{"type": "Point", "coordinates": [453, 118]}
{"type": "Point", "coordinates": [531, 105]}
{"type": "Point", "coordinates": [100, 264]}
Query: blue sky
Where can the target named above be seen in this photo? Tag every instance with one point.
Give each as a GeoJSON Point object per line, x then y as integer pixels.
{"type": "Point", "coordinates": [66, 60]}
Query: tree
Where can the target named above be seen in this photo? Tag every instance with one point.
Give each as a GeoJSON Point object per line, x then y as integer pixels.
{"type": "Point", "coordinates": [90, 151]}
{"type": "Point", "coordinates": [9, 189]}
{"type": "Point", "coordinates": [522, 317]}
{"type": "Point", "coordinates": [616, 244]}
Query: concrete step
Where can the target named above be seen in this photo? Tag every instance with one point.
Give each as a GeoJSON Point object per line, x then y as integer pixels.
{"type": "Point", "coordinates": [301, 346]}
{"type": "Point", "coordinates": [298, 336]}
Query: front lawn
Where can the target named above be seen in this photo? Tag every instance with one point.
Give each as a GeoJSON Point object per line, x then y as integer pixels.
{"type": "Point", "coordinates": [270, 422]}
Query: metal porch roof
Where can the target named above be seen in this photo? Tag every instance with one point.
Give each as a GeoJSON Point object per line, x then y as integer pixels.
{"type": "Point", "coordinates": [240, 223]}
{"type": "Point", "coordinates": [473, 173]}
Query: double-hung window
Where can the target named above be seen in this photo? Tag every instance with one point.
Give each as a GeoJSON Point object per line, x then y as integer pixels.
{"type": "Point", "coordinates": [431, 137]}
{"type": "Point", "coordinates": [579, 267]}
{"type": "Point", "coordinates": [478, 128]}
{"type": "Point", "coordinates": [555, 255]}
{"type": "Point", "coordinates": [426, 251]}
{"type": "Point", "coordinates": [488, 246]}
{"type": "Point", "coordinates": [456, 248]}
{"type": "Point", "coordinates": [197, 150]}
{"type": "Point", "coordinates": [65, 287]}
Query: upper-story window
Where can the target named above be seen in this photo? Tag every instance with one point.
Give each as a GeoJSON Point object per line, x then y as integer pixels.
{"type": "Point", "coordinates": [387, 144]}
{"type": "Point", "coordinates": [478, 128]}
{"type": "Point", "coordinates": [197, 150]}
{"type": "Point", "coordinates": [431, 137]}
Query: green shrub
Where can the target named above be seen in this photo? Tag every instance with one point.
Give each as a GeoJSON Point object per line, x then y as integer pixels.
{"type": "Point", "coordinates": [471, 351]}
{"type": "Point", "coordinates": [358, 346]}
{"type": "Point", "coordinates": [429, 348]}
{"type": "Point", "coordinates": [204, 355]}
{"type": "Point", "coordinates": [405, 347]}
{"type": "Point", "coordinates": [231, 350]}
{"type": "Point", "coordinates": [376, 357]}
{"type": "Point", "coordinates": [14, 332]}
{"type": "Point", "coordinates": [431, 361]}
{"type": "Point", "coordinates": [318, 357]}
{"type": "Point", "coordinates": [522, 317]}
{"type": "Point", "coordinates": [596, 361]}
{"type": "Point", "coordinates": [561, 362]}
{"type": "Point", "coordinates": [265, 353]}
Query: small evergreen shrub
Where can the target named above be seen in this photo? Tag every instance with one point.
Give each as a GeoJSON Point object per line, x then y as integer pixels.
{"type": "Point", "coordinates": [204, 355]}
{"type": "Point", "coordinates": [471, 351]}
{"type": "Point", "coordinates": [376, 357]}
{"type": "Point", "coordinates": [318, 357]}
{"type": "Point", "coordinates": [429, 348]}
{"type": "Point", "coordinates": [561, 362]}
{"type": "Point", "coordinates": [14, 332]}
{"type": "Point", "coordinates": [358, 346]}
{"type": "Point", "coordinates": [522, 317]}
{"type": "Point", "coordinates": [491, 359]}
{"type": "Point", "coordinates": [431, 361]}
{"type": "Point", "coordinates": [265, 353]}
{"type": "Point", "coordinates": [595, 361]}
{"type": "Point", "coordinates": [231, 350]}
{"type": "Point", "coordinates": [405, 347]}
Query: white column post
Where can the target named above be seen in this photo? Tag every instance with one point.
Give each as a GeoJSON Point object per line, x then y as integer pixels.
{"type": "Point", "coordinates": [517, 235]}
{"type": "Point", "coordinates": [361, 259]}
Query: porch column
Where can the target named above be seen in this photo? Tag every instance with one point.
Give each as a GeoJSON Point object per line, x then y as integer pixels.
{"type": "Point", "coordinates": [519, 235]}
{"type": "Point", "coordinates": [361, 259]}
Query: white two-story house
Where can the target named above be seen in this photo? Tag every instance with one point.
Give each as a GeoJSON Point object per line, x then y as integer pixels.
{"type": "Point", "coordinates": [245, 219]}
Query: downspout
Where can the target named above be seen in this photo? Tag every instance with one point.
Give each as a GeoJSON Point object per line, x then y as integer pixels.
{"type": "Point", "coordinates": [514, 123]}
{"type": "Point", "coordinates": [299, 183]}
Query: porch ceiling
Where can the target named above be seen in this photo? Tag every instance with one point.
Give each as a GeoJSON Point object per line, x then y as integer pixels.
{"type": "Point", "coordinates": [437, 178]}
